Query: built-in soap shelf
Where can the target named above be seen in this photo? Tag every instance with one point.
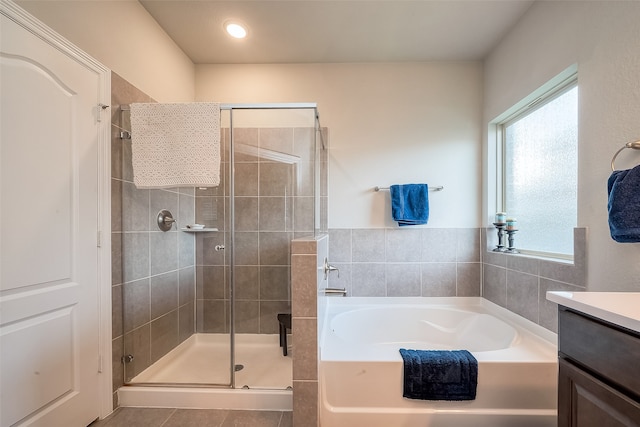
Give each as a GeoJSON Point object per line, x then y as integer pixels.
{"type": "Point", "coordinates": [198, 230]}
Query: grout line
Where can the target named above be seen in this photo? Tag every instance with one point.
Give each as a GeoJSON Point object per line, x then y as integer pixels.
{"type": "Point", "coordinates": [169, 417]}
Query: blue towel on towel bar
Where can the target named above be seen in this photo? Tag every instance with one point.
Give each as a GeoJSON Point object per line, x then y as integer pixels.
{"type": "Point", "coordinates": [624, 205]}
{"type": "Point", "coordinates": [439, 374]}
{"type": "Point", "coordinates": [410, 204]}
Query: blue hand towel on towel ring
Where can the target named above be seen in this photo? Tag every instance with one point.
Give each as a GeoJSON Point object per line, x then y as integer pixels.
{"type": "Point", "coordinates": [624, 205]}
{"type": "Point", "coordinates": [410, 204]}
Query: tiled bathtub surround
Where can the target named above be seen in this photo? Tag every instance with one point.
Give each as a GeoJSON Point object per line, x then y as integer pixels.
{"type": "Point", "coordinates": [450, 262]}
{"type": "Point", "coordinates": [306, 276]}
{"type": "Point", "coordinates": [153, 271]}
{"type": "Point", "coordinates": [406, 262]}
{"type": "Point", "coordinates": [520, 283]}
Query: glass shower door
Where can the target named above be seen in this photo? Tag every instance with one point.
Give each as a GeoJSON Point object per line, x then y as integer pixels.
{"type": "Point", "coordinates": [213, 274]}
{"type": "Point", "coordinates": [273, 203]}
{"type": "Point", "coordinates": [175, 290]}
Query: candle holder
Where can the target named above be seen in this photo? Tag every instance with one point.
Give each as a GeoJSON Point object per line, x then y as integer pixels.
{"type": "Point", "coordinates": [511, 249]}
{"type": "Point", "coordinates": [501, 226]}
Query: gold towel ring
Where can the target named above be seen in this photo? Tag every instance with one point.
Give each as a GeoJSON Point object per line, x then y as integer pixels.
{"type": "Point", "coordinates": [635, 145]}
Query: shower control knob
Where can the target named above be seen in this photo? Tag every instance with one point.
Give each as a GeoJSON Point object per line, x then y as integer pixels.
{"type": "Point", "coordinates": [219, 248]}
{"type": "Point", "coordinates": [165, 220]}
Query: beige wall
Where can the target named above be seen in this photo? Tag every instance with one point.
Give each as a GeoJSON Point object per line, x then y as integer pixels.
{"type": "Point", "coordinates": [125, 38]}
{"type": "Point", "coordinates": [388, 124]}
{"type": "Point", "coordinates": [603, 39]}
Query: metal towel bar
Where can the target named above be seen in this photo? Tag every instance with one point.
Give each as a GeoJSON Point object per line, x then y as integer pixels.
{"type": "Point", "coordinates": [438, 188]}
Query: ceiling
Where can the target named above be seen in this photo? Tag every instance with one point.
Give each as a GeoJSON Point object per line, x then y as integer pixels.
{"type": "Point", "coordinates": [324, 31]}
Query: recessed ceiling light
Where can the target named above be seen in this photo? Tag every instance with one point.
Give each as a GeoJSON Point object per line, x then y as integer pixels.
{"type": "Point", "coordinates": [235, 29]}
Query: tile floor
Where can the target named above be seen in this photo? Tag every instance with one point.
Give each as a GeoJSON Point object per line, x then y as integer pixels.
{"type": "Point", "coordinates": [172, 417]}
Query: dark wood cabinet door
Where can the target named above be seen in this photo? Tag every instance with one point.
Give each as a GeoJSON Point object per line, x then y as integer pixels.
{"type": "Point", "coordinates": [584, 401]}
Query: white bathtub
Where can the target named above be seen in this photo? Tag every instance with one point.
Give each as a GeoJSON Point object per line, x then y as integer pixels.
{"type": "Point", "coordinates": [361, 367]}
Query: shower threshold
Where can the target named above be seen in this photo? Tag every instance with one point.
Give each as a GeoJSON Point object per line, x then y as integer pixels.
{"type": "Point", "coordinates": [205, 398]}
{"type": "Point", "coordinates": [186, 376]}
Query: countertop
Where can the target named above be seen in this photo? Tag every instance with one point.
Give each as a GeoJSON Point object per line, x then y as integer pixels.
{"type": "Point", "coordinates": [620, 308]}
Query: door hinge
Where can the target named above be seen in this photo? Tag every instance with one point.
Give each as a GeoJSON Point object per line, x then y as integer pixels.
{"type": "Point", "coordinates": [100, 364]}
{"type": "Point", "coordinates": [101, 108]}
{"type": "Point", "coordinates": [99, 239]}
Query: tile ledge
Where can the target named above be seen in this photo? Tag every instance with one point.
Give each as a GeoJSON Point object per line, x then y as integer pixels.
{"type": "Point", "coordinates": [564, 261]}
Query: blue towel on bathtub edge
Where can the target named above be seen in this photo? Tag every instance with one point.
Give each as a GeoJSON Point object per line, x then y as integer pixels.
{"type": "Point", "coordinates": [624, 205]}
{"type": "Point", "coordinates": [410, 204]}
{"type": "Point", "coordinates": [439, 374]}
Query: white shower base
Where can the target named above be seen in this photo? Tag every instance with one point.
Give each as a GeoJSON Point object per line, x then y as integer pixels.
{"type": "Point", "coordinates": [204, 359]}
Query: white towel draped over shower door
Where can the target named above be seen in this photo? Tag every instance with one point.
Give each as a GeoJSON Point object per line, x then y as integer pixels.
{"type": "Point", "coordinates": [176, 144]}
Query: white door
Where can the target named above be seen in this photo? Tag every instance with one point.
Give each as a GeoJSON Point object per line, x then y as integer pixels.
{"type": "Point", "coordinates": [49, 256]}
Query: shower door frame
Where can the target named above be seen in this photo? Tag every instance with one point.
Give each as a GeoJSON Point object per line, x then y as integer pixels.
{"type": "Point", "coordinates": [231, 108]}
{"type": "Point", "coordinates": [232, 257]}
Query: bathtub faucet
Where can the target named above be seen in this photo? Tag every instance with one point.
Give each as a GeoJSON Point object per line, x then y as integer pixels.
{"type": "Point", "coordinates": [335, 291]}
{"type": "Point", "coordinates": [328, 268]}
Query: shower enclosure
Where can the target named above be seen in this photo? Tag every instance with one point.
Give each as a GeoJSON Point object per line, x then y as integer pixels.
{"type": "Point", "coordinates": [209, 317]}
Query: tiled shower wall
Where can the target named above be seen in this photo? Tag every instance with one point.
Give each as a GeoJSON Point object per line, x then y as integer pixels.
{"type": "Point", "coordinates": [274, 204]}
{"type": "Point", "coordinates": [153, 271]}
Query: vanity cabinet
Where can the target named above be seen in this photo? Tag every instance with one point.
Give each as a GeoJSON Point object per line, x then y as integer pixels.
{"type": "Point", "coordinates": [599, 372]}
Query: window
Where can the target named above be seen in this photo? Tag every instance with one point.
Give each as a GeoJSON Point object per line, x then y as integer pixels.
{"type": "Point", "coordinates": [539, 150]}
